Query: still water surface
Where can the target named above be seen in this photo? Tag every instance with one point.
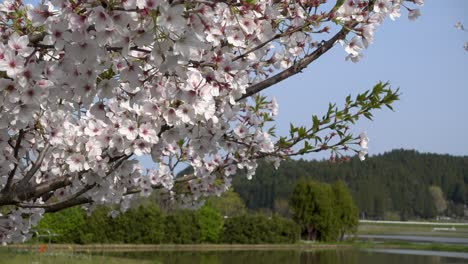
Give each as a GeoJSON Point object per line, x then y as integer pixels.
{"type": "Point", "coordinates": [380, 256]}
{"type": "Point", "coordinates": [292, 257]}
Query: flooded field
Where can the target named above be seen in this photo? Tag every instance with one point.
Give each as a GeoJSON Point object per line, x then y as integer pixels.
{"type": "Point", "coordinates": [245, 257]}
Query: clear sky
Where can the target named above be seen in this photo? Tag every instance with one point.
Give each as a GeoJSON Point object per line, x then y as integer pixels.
{"type": "Point", "coordinates": [424, 58]}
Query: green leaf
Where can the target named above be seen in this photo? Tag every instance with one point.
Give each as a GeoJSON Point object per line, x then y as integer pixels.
{"type": "Point", "coordinates": [302, 132]}
{"type": "Point", "coordinates": [180, 143]}
{"type": "Point", "coordinates": [316, 123]}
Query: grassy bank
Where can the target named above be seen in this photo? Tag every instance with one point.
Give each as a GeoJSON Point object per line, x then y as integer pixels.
{"type": "Point", "coordinates": [163, 247]}
{"type": "Point", "coordinates": [407, 245]}
{"type": "Point", "coordinates": [234, 247]}
{"type": "Point", "coordinates": [421, 229]}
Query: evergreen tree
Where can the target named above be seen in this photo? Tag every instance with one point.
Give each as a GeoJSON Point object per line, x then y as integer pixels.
{"type": "Point", "coordinates": [345, 210]}
{"type": "Point", "coordinates": [312, 205]}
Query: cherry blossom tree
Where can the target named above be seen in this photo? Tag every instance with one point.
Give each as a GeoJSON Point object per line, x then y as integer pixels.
{"type": "Point", "coordinates": [87, 87]}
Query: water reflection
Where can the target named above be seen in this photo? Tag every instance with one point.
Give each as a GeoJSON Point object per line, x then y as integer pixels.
{"type": "Point", "coordinates": [290, 257]}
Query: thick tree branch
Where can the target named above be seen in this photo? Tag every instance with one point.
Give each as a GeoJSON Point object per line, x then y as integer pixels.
{"type": "Point", "coordinates": [39, 190]}
{"type": "Point", "coordinates": [78, 200]}
{"type": "Point", "coordinates": [298, 66]}
{"type": "Point", "coordinates": [49, 186]}
{"type": "Point", "coordinates": [66, 204]}
{"type": "Point", "coordinates": [62, 204]}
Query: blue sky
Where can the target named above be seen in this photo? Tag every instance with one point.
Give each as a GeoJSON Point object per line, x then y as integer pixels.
{"type": "Point", "coordinates": [424, 58]}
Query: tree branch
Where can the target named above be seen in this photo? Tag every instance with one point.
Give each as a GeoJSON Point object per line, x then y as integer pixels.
{"type": "Point", "coordinates": [16, 153]}
{"type": "Point", "coordinates": [35, 167]}
{"type": "Point", "coordinates": [46, 187]}
{"type": "Point", "coordinates": [297, 67]}
{"type": "Point", "coordinates": [77, 200]}
{"type": "Point", "coordinates": [55, 184]}
{"type": "Point", "coordinates": [277, 36]}
{"type": "Point", "coordinates": [62, 204]}
{"type": "Point", "coordinates": [69, 203]}
{"type": "Point", "coordinates": [37, 37]}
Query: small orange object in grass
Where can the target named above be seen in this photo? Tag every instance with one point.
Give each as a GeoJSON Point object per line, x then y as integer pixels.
{"type": "Point", "coordinates": [42, 248]}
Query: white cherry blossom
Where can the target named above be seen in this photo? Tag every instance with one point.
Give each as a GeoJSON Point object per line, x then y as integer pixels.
{"type": "Point", "coordinates": [129, 129]}
{"type": "Point", "coordinates": [414, 14]}
{"type": "Point", "coordinates": [77, 162]}
{"type": "Point", "coordinates": [12, 64]}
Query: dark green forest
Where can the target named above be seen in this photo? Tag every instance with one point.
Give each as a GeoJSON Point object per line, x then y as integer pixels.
{"type": "Point", "coordinates": [394, 185]}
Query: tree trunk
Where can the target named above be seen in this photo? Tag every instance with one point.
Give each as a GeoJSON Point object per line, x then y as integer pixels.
{"type": "Point", "coordinates": [311, 233]}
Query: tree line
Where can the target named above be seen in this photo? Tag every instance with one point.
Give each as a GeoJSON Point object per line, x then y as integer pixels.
{"type": "Point", "coordinates": [148, 224]}
{"type": "Point", "coordinates": [395, 185]}
{"type": "Point", "coordinates": [320, 211]}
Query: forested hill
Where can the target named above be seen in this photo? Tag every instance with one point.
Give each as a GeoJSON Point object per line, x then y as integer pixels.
{"type": "Point", "coordinates": [392, 184]}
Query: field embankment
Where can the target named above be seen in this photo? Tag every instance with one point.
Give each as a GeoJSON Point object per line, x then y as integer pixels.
{"type": "Point", "coordinates": [413, 228]}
